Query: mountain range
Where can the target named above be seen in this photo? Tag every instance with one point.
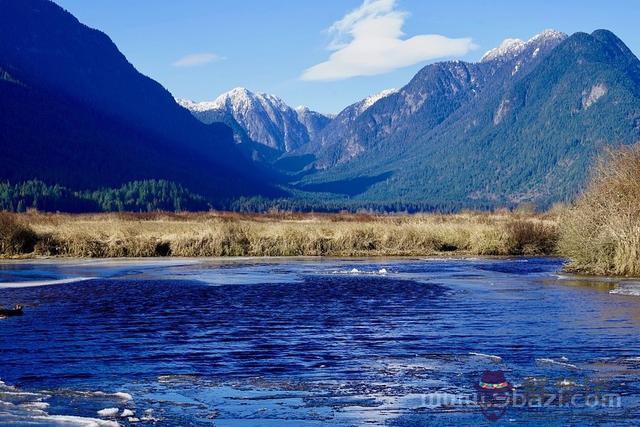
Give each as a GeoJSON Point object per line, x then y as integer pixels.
{"type": "Point", "coordinates": [521, 125]}
{"type": "Point", "coordinates": [512, 129]}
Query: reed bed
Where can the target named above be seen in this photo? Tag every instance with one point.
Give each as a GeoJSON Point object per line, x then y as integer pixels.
{"type": "Point", "coordinates": [214, 234]}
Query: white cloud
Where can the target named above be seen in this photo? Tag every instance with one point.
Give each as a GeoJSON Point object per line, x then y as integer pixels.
{"type": "Point", "coordinates": [196, 59]}
{"type": "Point", "coordinates": [368, 41]}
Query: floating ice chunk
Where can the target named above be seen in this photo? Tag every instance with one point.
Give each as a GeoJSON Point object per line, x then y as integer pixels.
{"type": "Point", "coordinates": [127, 413]}
{"type": "Point", "coordinates": [32, 410]}
{"type": "Point", "coordinates": [68, 420]}
{"type": "Point", "coordinates": [148, 416]}
{"type": "Point", "coordinates": [35, 406]}
{"type": "Point", "coordinates": [630, 288]}
{"type": "Point", "coordinates": [118, 395]}
{"type": "Point", "coordinates": [491, 357]}
{"type": "Point", "coordinates": [108, 412]}
{"type": "Point", "coordinates": [19, 393]}
{"type": "Point", "coordinates": [354, 270]}
{"type": "Point", "coordinates": [546, 361]}
{"type": "Point", "coordinates": [123, 396]}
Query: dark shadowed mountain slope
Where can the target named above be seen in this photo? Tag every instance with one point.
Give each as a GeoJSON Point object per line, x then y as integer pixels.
{"type": "Point", "coordinates": [75, 112]}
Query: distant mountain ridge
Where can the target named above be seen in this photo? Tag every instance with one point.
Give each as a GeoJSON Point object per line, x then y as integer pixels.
{"type": "Point", "coordinates": [436, 91]}
{"type": "Point", "coordinates": [523, 125]}
{"type": "Point", "coordinates": [260, 117]}
{"type": "Point", "coordinates": [433, 94]}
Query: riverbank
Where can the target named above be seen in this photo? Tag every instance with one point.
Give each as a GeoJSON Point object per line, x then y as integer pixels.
{"type": "Point", "coordinates": [283, 234]}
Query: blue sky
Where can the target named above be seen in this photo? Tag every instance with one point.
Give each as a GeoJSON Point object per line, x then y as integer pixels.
{"type": "Point", "coordinates": [326, 54]}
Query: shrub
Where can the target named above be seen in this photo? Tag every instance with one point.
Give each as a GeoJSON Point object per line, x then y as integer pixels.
{"type": "Point", "coordinates": [531, 237]}
{"type": "Point", "coordinates": [48, 245]}
{"type": "Point", "coordinates": [15, 237]}
{"type": "Point", "coordinates": [600, 233]}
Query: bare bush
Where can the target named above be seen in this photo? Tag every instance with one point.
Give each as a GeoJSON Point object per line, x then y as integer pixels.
{"type": "Point", "coordinates": [600, 233]}
{"type": "Point", "coordinates": [526, 237]}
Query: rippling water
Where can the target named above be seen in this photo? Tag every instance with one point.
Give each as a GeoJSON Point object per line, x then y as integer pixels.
{"type": "Point", "coordinates": [313, 342]}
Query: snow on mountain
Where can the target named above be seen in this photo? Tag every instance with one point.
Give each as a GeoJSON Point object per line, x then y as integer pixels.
{"type": "Point", "coordinates": [510, 48]}
{"type": "Point", "coordinates": [434, 93]}
{"type": "Point", "coordinates": [196, 106]}
{"type": "Point", "coordinates": [265, 118]}
{"type": "Point", "coordinates": [365, 104]}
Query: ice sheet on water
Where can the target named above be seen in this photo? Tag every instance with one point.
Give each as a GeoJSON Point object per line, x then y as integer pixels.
{"type": "Point", "coordinates": [33, 273]}
{"type": "Point", "coordinates": [627, 288]}
{"type": "Point", "coordinates": [35, 283]}
{"type": "Point", "coordinates": [380, 271]}
{"type": "Point", "coordinates": [491, 357]}
{"type": "Point", "coordinates": [20, 407]}
{"type": "Point", "coordinates": [108, 412]}
{"type": "Point", "coordinates": [561, 363]}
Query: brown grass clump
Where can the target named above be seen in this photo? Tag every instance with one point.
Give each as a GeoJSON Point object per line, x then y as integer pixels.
{"type": "Point", "coordinates": [15, 237]}
{"type": "Point", "coordinates": [527, 237]}
{"type": "Point", "coordinates": [600, 233]}
{"type": "Point", "coordinates": [214, 234]}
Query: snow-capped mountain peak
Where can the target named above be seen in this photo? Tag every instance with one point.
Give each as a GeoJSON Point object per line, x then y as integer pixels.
{"type": "Point", "coordinates": [266, 118]}
{"type": "Point", "coordinates": [237, 98]}
{"type": "Point", "coordinates": [242, 99]}
{"type": "Point", "coordinates": [508, 48]}
{"type": "Point", "coordinates": [549, 34]}
{"type": "Point", "coordinates": [511, 48]}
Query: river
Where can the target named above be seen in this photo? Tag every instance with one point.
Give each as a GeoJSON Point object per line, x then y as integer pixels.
{"type": "Point", "coordinates": [312, 342]}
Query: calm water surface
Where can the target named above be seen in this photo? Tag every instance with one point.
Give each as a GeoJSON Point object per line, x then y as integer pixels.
{"type": "Point", "coordinates": [314, 342]}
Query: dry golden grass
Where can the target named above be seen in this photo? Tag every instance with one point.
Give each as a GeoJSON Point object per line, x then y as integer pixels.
{"type": "Point", "coordinates": [287, 234]}
{"type": "Point", "coordinates": [600, 233]}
